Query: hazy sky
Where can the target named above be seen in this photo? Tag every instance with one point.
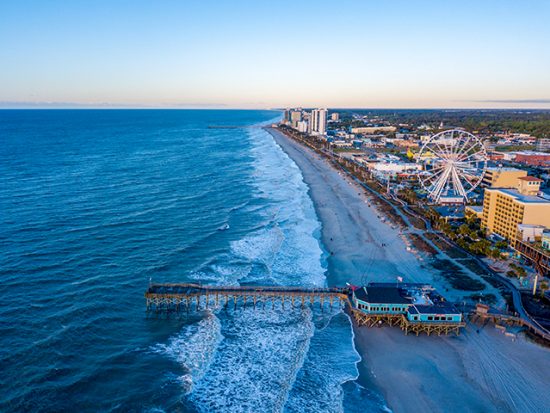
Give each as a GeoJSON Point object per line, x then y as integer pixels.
{"type": "Point", "coordinates": [205, 53]}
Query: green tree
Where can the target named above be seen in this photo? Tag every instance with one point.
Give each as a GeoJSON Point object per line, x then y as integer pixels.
{"type": "Point", "coordinates": [495, 253]}
{"type": "Point", "coordinates": [511, 274]}
{"type": "Point", "coordinates": [520, 271]}
{"type": "Point", "coordinates": [464, 230]}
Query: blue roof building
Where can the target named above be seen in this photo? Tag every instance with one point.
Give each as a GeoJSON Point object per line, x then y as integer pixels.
{"type": "Point", "coordinates": [414, 307]}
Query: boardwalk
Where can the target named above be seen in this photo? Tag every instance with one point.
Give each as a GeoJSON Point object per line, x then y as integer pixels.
{"type": "Point", "coordinates": [483, 314]}
{"type": "Point", "coordinates": [186, 297]}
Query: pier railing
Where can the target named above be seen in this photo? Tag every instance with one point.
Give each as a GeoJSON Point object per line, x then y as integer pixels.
{"type": "Point", "coordinates": [188, 296]}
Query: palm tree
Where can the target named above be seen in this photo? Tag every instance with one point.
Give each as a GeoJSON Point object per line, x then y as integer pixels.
{"type": "Point", "coordinates": [543, 286]}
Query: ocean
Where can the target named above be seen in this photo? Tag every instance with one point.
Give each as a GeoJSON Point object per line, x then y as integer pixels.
{"type": "Point", "coordinates": [96, 204]}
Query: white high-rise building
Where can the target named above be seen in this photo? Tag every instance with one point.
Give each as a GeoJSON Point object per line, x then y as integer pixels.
{"type": "Point", "coordinates": [302, 126]}
{"type": "Point", "coordinates": [318, 122]}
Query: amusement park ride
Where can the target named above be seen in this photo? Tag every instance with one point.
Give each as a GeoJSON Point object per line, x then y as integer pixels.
{"type": "Point", "coordinates": [454, 164]}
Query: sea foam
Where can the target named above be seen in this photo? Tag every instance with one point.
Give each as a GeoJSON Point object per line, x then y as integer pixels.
{"type": "Point", "coordinates": [272, 359]}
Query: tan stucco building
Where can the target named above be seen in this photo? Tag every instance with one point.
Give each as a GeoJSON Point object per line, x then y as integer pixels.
{"type": "Point", "coordinates": [502, 177]}
{"type": "Point", "coordinates": [504, 208]}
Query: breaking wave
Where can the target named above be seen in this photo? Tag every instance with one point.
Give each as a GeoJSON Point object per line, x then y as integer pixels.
{"type": "Point", "coordinates": [248, 360]}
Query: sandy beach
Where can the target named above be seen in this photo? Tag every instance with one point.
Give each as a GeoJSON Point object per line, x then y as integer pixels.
{"type": "Point", "coordinates": [482, 370]}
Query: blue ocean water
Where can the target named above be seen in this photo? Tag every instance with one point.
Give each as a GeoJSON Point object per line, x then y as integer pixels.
{"type": "Point", "coordinates": [94, 204]}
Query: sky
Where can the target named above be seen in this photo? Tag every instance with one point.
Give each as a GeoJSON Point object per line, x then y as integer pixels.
{"type": "Point", "coordinates": [263, 54]}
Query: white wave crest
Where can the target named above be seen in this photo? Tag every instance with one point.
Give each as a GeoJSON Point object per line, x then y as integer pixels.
{"type": "Point", "coordinates": [193, 348]}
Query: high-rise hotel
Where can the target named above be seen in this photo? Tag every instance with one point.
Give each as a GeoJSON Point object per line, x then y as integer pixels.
{"type": "Point", "coordinates": [504, 209]}
{"type": "Point", "coordinates": [318, 122]}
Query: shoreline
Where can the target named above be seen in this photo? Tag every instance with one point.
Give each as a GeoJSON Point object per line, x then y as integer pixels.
{"type": "Point", "coordinates": [474, 370]}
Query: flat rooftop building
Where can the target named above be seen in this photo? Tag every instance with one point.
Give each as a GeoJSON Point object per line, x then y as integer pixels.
{"type": "Point", "coordinates": [504, 208]}
{"type": "Point", "coordinates": [417, 303]}
{"type": "Point", "coordinates": [502, 177]}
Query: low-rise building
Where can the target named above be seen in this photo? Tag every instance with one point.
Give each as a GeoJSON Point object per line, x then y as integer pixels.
{"type": "Point", "coordinates": [528, 185]}
{"type": "Point", "coordinates": [530, 232]}
{"type": "Point", "coordinates": [403, 143]}
{"type": "Point", "coordinates": [533, 158]}
{"type": "Point", "coordinates": [473, 211]}
{"type": "Point", "coordinates": [546, 239]}
{"type": "Point", "coordinates": [372, 129]}
{"type": "Point", "coordinates": [543, 145]}
{"type": "Point", "coordinates": [418, 303]}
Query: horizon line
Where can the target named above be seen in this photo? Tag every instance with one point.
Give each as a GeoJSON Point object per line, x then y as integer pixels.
{"type": "Point", "coordinates": [106, 108]}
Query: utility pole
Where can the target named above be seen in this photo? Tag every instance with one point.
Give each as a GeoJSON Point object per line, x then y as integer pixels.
{"type": "Point", "coordinates": [540, 271]}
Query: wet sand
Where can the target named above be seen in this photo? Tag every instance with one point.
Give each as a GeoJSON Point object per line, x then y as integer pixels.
{"type": "Point", "coordinates": [481, 371]}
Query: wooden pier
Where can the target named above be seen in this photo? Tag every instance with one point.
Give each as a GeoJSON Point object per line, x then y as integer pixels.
{"type": "Point", "coordinates": [177, 298]}
{"type": "Point", "coordinates": [399, 320]}
{"type": "Point", "coordinates": [188, 297]}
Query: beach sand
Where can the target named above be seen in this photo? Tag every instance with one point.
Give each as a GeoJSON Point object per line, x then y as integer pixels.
{"type": "Point", "coordinates": [482, 370]}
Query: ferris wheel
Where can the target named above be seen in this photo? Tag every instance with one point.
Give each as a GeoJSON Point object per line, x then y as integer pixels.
{"type": "Point", "coordinates": [454, 164]}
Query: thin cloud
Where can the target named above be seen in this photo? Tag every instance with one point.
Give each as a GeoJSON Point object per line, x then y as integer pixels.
{"type": "Point", "coordinates": [512, 101]}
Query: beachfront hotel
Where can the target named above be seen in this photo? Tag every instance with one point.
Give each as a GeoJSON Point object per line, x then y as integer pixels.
{"type": "Point", "coordinates": [504, 208]}
{"type": "Point", "coordinates": [318, 121]}
{"type": "Point", "coordinates": [502, 177]}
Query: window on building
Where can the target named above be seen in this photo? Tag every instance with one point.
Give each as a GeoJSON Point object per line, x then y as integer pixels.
{"type": "Point", "coordinates": [430, 318]}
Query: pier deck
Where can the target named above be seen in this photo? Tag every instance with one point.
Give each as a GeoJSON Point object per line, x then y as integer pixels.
{"type": "Point", "coordinates": [166, 298]}
{"type": "Point", "coordinates": [378, 320]}
{"type": "Point", "coordinates": [182, 297]}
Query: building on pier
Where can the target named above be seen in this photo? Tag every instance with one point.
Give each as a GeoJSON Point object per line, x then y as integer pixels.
{"type": "Point", "coordinates": [414, 307]}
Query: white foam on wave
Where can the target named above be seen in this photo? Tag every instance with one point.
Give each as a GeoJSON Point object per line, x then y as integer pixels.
{"type": "Point", "coordinates": [256, 365]}
{"type": "Point", "coordinates": [286, 245]}
{"type": "Point", "coordinates": [255, 368]}
{"type": "Point", "coordinates": [193, 348]}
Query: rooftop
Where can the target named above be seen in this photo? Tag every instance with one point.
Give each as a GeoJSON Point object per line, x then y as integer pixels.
{"type": "Point", "coordinates": [532, 153]}
{"type": "Point", "coordinates": [530, 178]}
{"type": "Point", "coordinates": [476, 208]}
{"type": "Point", "coordinates": [381, 295]}
{"type": "Point", "coordinates": [442, 308]}
{"type": "Point", "coordinates": [453, 212]}
{"type": "Point", "coordinates": [502, 169]}
{"type": "Point", "coordinates": [527, 199]}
